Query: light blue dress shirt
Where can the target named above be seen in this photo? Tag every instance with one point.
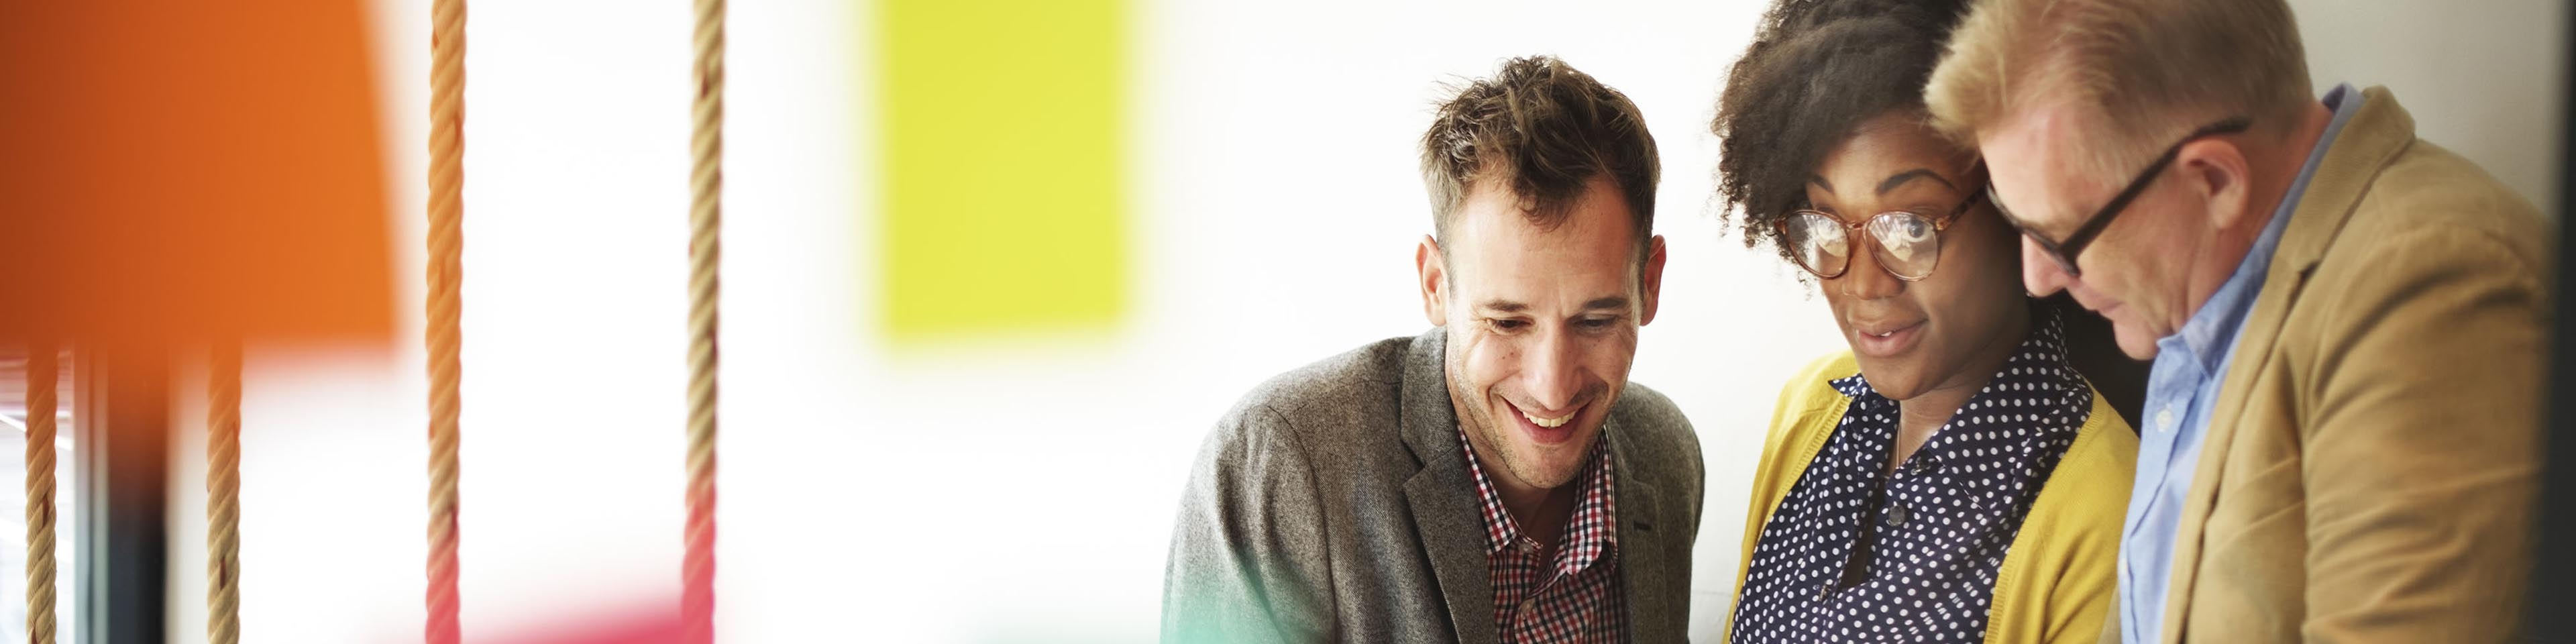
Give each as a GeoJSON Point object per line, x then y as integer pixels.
{"type": "Point", "coordinates": [2182, 388]}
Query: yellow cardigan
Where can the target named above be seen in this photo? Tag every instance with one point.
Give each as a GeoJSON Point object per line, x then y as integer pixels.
{"type": "Point", "coordinates": [2057, 579]}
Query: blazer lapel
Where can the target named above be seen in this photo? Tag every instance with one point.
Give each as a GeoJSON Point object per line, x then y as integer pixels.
{"type": "Point", "coordinates": [2374, 136]}
{"type": "Point", "coordinates": [1641, 560]}
{"type": "Point", "coordinates": [1441, 494]}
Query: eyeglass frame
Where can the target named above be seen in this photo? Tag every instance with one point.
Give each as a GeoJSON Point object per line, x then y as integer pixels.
{"type": "Point", "coordinates": [2066, 252]}
{"type": "Point", "coordinates": [1852, 232]}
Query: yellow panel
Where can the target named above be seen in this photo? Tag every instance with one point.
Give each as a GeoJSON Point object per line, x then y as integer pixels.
{"type": "Point", "coordinates": [1004, 174]}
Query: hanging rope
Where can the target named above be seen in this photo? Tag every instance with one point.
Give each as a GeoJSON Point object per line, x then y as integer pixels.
{"type": "Point", "coordinates": [706, 214]}
{"type": "Point", "coordinates": [223, 495]}
{"type": "Point", "coordinates": [41, 375]}
{"type": "Point", "coordinates": [446, 209]}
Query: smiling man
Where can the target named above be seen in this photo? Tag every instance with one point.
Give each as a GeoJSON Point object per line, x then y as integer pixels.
{"type": "Point", "coordinates": [1496, 479]}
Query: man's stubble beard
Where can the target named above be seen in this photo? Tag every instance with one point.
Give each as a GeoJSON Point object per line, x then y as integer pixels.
{"type": "Point", "coordinates": [1474, 415]}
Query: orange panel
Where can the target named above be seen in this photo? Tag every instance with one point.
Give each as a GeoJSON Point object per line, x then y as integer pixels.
{"type": "Point", "coordinates": [175, 169]}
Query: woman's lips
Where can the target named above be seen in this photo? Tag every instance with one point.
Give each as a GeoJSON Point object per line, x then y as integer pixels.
{"type": "Point", "coordinates": [1888, 342]}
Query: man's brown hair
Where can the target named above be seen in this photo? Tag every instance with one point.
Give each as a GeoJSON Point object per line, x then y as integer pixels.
{"type": "Point", "coordinates": [1545, 130]}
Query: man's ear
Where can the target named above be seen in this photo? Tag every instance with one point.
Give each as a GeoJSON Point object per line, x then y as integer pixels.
{"type": "Point", "coordinates": [1652, 279]}
{"type": "Point", "coordinates": [2217, 172]}
{"type": "Point", "coordinates": [1434, 274]}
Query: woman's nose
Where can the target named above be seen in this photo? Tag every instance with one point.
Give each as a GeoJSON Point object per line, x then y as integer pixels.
{"type": "Point", "coordinates": [1865, 278]}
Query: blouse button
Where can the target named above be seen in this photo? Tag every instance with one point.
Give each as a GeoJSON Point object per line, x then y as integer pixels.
{"type": "Point", "coordinates": [1896, 516]}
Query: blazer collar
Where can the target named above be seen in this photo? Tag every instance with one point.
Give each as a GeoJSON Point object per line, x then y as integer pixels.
{"type": "Point", "coordinates": [2370, 141]}
{"type": "Point", "coordinates": [1441, 494]}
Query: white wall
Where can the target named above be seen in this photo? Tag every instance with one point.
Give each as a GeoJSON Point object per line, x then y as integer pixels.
{"type": "Point", "coordinates": [1022, 489]}
{"type": "Point", "coordinates": [2484, 78]}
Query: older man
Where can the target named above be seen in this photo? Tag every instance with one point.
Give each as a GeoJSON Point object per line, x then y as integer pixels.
{"type": "Point", "coordinates": [2347, 322]}
{"type": "Point", "coordinates": [1496, 479]}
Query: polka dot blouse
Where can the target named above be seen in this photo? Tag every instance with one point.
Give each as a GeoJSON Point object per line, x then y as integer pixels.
{"type": "Point", "coordinates": [1855, 554]}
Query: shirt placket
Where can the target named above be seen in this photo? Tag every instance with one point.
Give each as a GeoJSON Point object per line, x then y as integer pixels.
{"type": "Point", "coordinates": [1547, 576]}
{"type": "Point", "coordinates": [1537, 577]}
{"type": "Point", "coordinates": [2156, 458]}
{"type": "Point", "coordinates": [1863, 477]}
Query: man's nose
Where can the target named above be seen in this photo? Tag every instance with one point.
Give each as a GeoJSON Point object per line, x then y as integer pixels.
{"type": "Point", "coordinates": [2039, 270]}
{"type": "Point", "coordinates": [1554, 373]}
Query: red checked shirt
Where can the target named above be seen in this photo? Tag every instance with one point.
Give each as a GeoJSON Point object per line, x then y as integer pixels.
{"type": "Point", "coordinates": [1573, 599]}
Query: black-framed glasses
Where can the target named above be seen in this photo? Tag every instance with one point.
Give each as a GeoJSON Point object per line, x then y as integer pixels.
{"type": "Point", "coordinates": [2064, 252]}
{"type": "Point", "coordinates": [1908, 244]}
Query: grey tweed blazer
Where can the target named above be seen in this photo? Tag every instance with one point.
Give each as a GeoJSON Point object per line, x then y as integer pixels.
{"type": "Point", "coordinates": [1334, 504]}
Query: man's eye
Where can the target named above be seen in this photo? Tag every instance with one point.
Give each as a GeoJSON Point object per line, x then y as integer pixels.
{"type": "Point", "coordinates": [1507, 325]}
{"type": "Point", "coordinates": [1598, 323]}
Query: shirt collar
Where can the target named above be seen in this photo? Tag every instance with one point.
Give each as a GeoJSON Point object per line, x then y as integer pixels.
{"type": "Point", "coordinates": [1593, 509]}
{"type": "Point", "coordinates": [2211, 331]}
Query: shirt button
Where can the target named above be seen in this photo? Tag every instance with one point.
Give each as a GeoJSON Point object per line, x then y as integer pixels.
{"type": "Point", "coordinates": [1822, 591]}
{"type": "Point", "coordinates": [1896, 516]}
{"type": "Point", "coordinates": [1526, 604]}
{"type": "Point", "coordinates": [2165, 419]}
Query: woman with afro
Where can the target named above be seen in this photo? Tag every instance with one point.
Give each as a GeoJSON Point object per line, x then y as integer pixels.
{"type": "Point", "coordinates": [1951, 477]}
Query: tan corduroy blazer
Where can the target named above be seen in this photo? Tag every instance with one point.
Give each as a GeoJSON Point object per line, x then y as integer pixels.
{"type": "Point", "coordinates": [2370, 470]}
